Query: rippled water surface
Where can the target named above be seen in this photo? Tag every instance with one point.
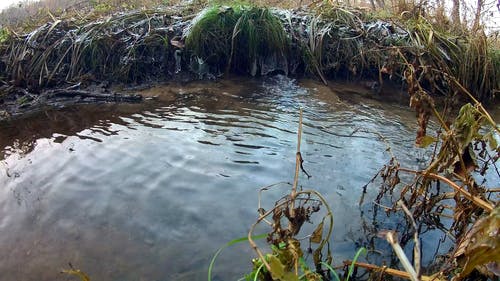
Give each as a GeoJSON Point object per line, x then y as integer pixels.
{"type": "Point", "coordinates": [150, 191]}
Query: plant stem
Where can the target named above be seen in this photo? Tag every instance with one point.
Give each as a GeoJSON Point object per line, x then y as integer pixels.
{"type": "Point", "coordinates": [298, 159]}
{"type": "Point", "coordinates": [390, 271]}
{"type": "Point", "coordinates": [478, 201]}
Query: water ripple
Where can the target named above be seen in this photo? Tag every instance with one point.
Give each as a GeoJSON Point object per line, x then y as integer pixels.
{"type": "Point", "coordinates": [135, 192]}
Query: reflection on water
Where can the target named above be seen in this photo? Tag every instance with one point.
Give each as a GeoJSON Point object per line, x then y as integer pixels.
{"type": "Point", "coordinates": [150, 191]}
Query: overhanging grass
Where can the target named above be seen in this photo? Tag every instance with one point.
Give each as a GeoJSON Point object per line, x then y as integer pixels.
{"type": "Point", "coordinates": [466, 58]}
{"type": "Point", "coordinates": [130, 47]}
{"type": "Point", "coordinates": [209, 38]}
{"type": "Point", "coordinates": [238, 38]}
{"type": "Point", "coordinates": [345, 43]}
{"type": "Point", "coordinates": [257, 35]}
{"type": "Point", "coordinates": [337, 42]}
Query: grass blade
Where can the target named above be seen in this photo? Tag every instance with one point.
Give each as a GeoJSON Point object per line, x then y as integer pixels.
{"type": "Point", "coordinates": [257, 272]}
{"type": "Point", "coordinates": [331, 270]}
{"type": "Point", "coordinates": [361, 250]}
{"type": "Point", "coordinates": [228, 244]}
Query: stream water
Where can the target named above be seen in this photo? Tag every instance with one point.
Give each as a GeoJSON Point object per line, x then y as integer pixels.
{"type": "Point", "coordinates": [150, 191]}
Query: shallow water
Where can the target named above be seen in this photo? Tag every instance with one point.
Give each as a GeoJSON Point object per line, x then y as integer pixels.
{"type": "Point", "coordinates": [150, 191]}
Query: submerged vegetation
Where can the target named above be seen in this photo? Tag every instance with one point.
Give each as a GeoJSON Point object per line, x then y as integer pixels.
{"type": "Point", "coordinates": [287, 258]}
{"type": "Point", "coordinates": [446, 196]}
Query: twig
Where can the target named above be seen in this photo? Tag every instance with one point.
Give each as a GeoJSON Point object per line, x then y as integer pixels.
{"type": "Point", "coordinates": [386, 208]}
{"type": "Point", "coordinates": [250, 232]}
{"type": "Point", "coordinates": [265, 188]}
{"type": "Point", "coordinates": [391, 237]}
{"type": "Point", "coordinates": [390, 271]}
{"type": "Point", "coordinates": [416, 247]}
{"type": "Point", "coordinates": [288, 202]}
{"type": "Point", "coordinates": [293, 194]}
{"type": "Point", "coordinates": [381, 137]}
{"type": "Point", "coordinates": [476, 102]}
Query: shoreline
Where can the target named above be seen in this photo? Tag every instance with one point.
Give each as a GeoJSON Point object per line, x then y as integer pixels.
{"type": "Point", "coordinates": [67, 58]}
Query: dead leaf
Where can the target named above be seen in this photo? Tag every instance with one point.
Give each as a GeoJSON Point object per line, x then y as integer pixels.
{"type": "Point", "coordinates": [76, 272]}
{"type": "Point", "coordinates": [317, 234]}
{"type": "Point", "coordinates": [177, 42]}
{"type": "Point", "coordinates": [481, 245]}
{"type": "Point", "coordinates": [426, 140]}
{"type": "Point", "coordinates": [278, 271]}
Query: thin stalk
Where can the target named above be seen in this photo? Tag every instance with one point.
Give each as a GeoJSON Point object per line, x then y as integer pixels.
{"type": "Point", "coordinates": [390, 271]}
{"type": "Point", "coordinates": [392, 239]}
{"type": "Point", "coordinates": [250, 240]}
{"type": "Point", "coordinates": [298, 159]}
{"type": "Point", "coordinates": [476, 102]}
{"type": "Point", "coordinates": [416, 247]}
{"type": "Point", "coordinates": [478, 201]}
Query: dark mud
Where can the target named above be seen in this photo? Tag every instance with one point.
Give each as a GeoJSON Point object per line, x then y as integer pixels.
{"type": "Point", "coordinates": [21, 103]}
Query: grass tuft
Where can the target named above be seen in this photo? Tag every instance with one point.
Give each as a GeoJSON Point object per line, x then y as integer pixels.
{"type": "Point", "coordinates": [238, 38]}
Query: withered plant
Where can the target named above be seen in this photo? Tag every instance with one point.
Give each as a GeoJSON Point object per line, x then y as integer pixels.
{"type": "Point", "coordinates": [451, 193]}
{"type": "Point", "coordinates": [291, 245]}
{"type": "Point", "coordinates": [286, 219]}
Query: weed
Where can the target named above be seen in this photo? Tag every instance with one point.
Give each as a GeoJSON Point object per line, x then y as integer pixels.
{"type": "Point", "coordinates": [4, 35]}
{"type": "Point", "coordinates": [286, 218]}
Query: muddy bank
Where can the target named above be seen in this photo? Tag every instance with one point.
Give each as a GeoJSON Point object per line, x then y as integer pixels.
{"type": "Point", "coordinates": [64, 60]}
{"type": "Point", "coordinates": [22, 102]}
{"type": "Point", "coordinates": [18, 104]}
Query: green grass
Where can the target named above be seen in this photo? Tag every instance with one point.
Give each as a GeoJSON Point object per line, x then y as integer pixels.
{"type": "Point", "coordinates": [4, 35]}
{"type": "Point", "coordinates": [236, 37]}
{"type": "Point", "coordinates": [210, 35]}
{"type": "Point", "coordinates": [258, 34]}
{"type": "Point", "coordinates": [228, 244]}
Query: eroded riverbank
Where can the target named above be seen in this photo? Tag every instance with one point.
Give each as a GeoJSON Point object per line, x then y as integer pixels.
{"type": "Point", "coordinates": [70, 61]}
